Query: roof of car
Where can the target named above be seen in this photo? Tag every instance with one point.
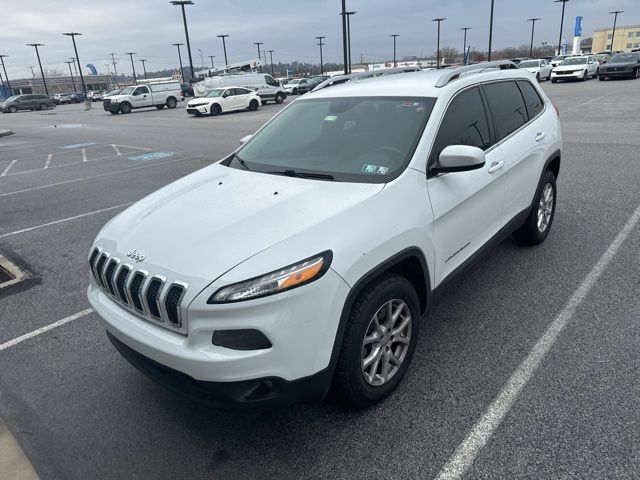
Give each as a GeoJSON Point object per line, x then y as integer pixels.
{"type": "Point", "coordinates": [415, 84]}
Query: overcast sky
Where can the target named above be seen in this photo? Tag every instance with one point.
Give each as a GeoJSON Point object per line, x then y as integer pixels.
{"type": "Point", "coordinates": [149, 27]}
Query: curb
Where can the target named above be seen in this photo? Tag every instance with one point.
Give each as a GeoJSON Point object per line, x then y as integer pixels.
{"type": "Point", "coordinates": [4, 133]}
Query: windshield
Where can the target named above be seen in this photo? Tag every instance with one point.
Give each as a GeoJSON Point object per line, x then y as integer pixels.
{"type": "Point", "coordinates": [297, 80]}
{"type": "Point", "coordinates": [624, 57]}
{"type": "Point", "coordinates": [127, 91]}
{"type": "Point", "coordinates": [529, 64]}
{"type": "Point", "coordinates": [365, 140]}
{"type": "Point", "coordinates": [215, 93]}
{"type": "Point", "coordinates": [574, 61]}
{"type": "Point", "coordinates": [560, 57]}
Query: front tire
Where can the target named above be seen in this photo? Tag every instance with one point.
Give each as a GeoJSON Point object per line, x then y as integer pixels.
{"type": "Point", "coordinates": [585, 76]}
{"type": "Point", "coordinates": [125, 108]}
{"type": "Point", "coordinates": [44, 106]}
{"type": "Point", "coordinates": [215, 110]}
{"type": "Point", "coordinates": [554, 80]}
{"type": "Point", "coordinates": [279, 98]}
{"type": "Point", "coordinates": [12, 109]}
{"type": "Point", "coordinates": [601, 78]}
{"type": "Point", "coordinates": [538, 223]}
{"type": "Point", "coordinates": [171, 102]}
{"type": "Point", "coordinates": [379, 341]}
{"type": "Point", "coordinates": [538, 77]}
{"type": "Point", "coordinates": [253, 105]}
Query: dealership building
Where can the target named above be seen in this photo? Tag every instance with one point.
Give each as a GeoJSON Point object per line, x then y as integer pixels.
{"type": "Point", "coordinates": [625, 38]}
{"type": "Point", "coordinates": [64, 84]}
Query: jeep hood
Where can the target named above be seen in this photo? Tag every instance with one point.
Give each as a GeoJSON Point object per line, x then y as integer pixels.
{"type": "Point", "coordinates": [203, 225]}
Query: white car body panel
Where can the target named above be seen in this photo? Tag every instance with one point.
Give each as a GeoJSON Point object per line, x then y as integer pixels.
{"type": "Point", "coordinates": [590, 67]}
{"type": "Point", "coordinates": [202, 105]}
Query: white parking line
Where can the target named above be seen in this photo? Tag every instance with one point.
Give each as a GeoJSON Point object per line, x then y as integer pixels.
{"type": "Point", "coordinates": [46, 165]}
{"type": "Point", "coordinates": [4, 235]}
{"type": "Point", "coordinates": [6, 170]}
{"type": "Point", "coordinates": [477, 438]}
{"type": "Point", "coordinates": [84, 154]}
{"type": "Point", "coordinates": [44, 329]}
{"type": "Point", "coordinates": [115, 147]}
{"type": "Point", "coordinates": [97, 176]}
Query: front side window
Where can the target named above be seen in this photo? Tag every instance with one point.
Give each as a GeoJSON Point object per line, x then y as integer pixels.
{"type": "Point", "coordinates": [271, 81]}
{"type": "Point", "coordinates": [355, 139]}
{"type": "Point", "coordinates": [465, 123]}
{"type": "Point", "coordinates": [531, 98]}
{"type": "Point", "coordinates": [215, 93]}
{"type": "Point", "coordinates": [507, 107]}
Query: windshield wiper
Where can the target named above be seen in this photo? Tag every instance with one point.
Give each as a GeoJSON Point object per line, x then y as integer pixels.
{"type": "Point", "coordinates": [242, 162]}
{"type": "Point", "coordinates": [293, 173]}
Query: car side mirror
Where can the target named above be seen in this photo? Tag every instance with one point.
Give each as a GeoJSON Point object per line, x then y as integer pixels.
{"type": "Point", "coordinates": [459, 158]}
{"type": "Point", "coordinates": [245, 139]}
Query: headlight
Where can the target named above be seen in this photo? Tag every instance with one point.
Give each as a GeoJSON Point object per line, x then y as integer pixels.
{"type": "Point", "coordinates": [278, 281]}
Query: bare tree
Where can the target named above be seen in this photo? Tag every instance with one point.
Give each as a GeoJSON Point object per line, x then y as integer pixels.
{"type": "Point", "coordinates": [53, 72]}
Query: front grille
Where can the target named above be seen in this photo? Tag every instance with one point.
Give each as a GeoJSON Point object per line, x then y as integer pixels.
{"type": "Point", "coordinates": [149, 296]}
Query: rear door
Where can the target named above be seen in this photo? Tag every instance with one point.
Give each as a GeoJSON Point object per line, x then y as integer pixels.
{"type": "Point", "coordinates": [467, 206]}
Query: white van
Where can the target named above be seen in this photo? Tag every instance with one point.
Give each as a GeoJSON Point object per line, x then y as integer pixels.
{"type": "Point", "coordinates": [149, 94]}
{"type": "Point", "coordinates": [267, 87]}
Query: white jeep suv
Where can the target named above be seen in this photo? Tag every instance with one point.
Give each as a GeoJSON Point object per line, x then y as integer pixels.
{"type": "Point", "coordinates": [308, 256]}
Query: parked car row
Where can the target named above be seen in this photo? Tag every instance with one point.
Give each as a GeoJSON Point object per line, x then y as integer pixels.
{"type": "Point", "coordinates": [27, 102]}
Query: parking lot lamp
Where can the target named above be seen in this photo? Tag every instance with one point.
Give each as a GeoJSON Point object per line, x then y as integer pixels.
{"type": "Point", "coordinates": [271, 57]}
{"type": "Point", "coordinates": [211, 57]}
{"type": "Point", "coordinates": [259, 54]}
{"type": "Point", "coordinates": [44, 80]}
{"type": "Point", "coordinates": [533, 26]}
{"type": "Point", "coordinates": [344, 36]}
{"type": "Point", "coordinates": [394, 35]}
{"type": "Point", "coordinates": [73, 82]}
{"type": "Point", "coordinates": [561, 23]}
{"type": "Point", "coordinates": [464, 45]}
{"type": "Point", "coordinates": [133, 67]}
{"type": "Point", "coordinates": [613, 33]}
{"type": "Point", "coordinates": [348, 14]}
{"type": "Point", "coordinates": [115, 70]}
{"type": "Point", "coordinates": [321, 61]}
{"type": "Point", "coordinates": [490, 32]}
{"type": "Point", "coordinates": [224, 48]}
{"type": "Point", "coordinates": [439, 20]}
{"type": "Point", "coordinates": [182, 3]}
{"type": "Point", "coordinates": [73, 35]}
{"type": "Point", "coordinates": [5, 74]}
{"type": "Point", "coordinates": [144, 69]}
{"type": "Point", "coordinates": [180, 59]}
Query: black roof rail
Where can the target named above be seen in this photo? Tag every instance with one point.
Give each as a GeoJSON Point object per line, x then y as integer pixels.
{"type": "Point", "coordinates": [338, 79]}
{"type": "Point", "coordinates": [449, 74]}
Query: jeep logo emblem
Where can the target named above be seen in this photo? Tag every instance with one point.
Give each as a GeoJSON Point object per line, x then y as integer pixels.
{"type": "Point", "coordinates": [136, 255]}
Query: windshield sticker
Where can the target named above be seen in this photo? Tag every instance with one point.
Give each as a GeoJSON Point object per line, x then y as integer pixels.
{"type": "Point", "coordinates": [330, 118]}
{"type": "Point", "coordinates": [375, 169]}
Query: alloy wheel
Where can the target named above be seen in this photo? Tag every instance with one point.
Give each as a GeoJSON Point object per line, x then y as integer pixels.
{"type": "Point", "coordinates": [545, 207]}
{"type": "Point", "coordinates": [386, 342]}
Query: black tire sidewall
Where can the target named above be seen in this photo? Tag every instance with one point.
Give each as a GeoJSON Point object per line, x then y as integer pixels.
{"type": "Point", "coordinates": [215, 110]}
{"type": "Point", "coordinates": [125, 108]}
{"type": "Point", "coordinates": [529, 234]}
{"type": "Point", "coordinates": [279, 98]}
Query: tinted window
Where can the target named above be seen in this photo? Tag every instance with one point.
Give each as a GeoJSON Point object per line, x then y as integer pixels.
{"type": "Point", "coordinates": [270, 81]}
{"type": "Point", "coordinates": [242, 91]}
{"type": "Point", "coordinates": [507, 107]}
{"type": "Point", "coordinates": [531, 97]}
{"type": "Point", "coordinates": [465, 123]}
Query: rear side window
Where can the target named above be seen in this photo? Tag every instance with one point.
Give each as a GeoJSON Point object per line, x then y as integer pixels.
{"type": "Point", "coordinates": [507, 107]}
{"type": "Point", "coordinates": [465, 123]}
{"type": "Point", "coordinates": [531, 97]}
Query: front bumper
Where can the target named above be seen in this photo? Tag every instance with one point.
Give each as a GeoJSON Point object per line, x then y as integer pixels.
{"type": "Point", "coordinates": [300, 324]}
{"type": "Point", "coordinates": [623, 72]}
{"type": "Point", "coordinates": [198, 110]}
{"type": "Point", "coordinates": [567, 76]}
{"type": "Point", "coordinates": [108, 106]}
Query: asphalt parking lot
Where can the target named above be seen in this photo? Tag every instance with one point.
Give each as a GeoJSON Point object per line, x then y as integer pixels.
{"type": "Point", "coordinates": [81, 411]}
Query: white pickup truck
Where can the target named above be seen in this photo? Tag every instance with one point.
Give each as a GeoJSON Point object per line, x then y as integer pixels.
{"type": "Point", "coordinates": [152, 94]}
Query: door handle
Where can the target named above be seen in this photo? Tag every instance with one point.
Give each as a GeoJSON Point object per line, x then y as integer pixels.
{"type": "Point", "coordinates": [540, 136]}
{"type": "Point", "coordinates": [495, 166]}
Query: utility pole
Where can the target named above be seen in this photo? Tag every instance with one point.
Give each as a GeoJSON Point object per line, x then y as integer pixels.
{"type": "Point", "coordinates": [271, 55]}
{"type": "Point", "coordinates": [144, 69]}
{"type": "Point", "coordinates": [211, 57]}
{"type": "Point", "coordinates": [533, 26]}
{"type": "Point", "coordinates": [344, 36]}
{"type": "Point", "coordinates": [133, 67]}
{"type": "Point", "coordinates": [73, 35]}
{"type": "Point", "coordinates": [490, 32]}
{"type": "Point", "coordinates": [224, 48]}
{"type": "Point", "coordinates": [259, 56]}
{"type": "Point", "coordinates": [73, 82]}
{"type": "Point", "coordinates": [44, 80]}
{"type": "Point", "coordinates": [439, 20]}
{"type": "Point", "coordinates": [395, 35]}
{"type": "Point", "coordinates": [180, 59]}
{"type": "Point", "coordinates": [33, 75]}
{"type": "Point", "coordinates": [464, 45]}
{"type": "Point", "coordinates": [115, 70]}
{"type": "Point", "coordinates": [182, 3]}
{"type": "Point", "coordinates": [561, 23]}
{"type": "Point", "coordinates": [613, 34]}
{"type": "Point", "coordinates": [321, 61]}
{"type": "Point", "coordinates": [5, 74]}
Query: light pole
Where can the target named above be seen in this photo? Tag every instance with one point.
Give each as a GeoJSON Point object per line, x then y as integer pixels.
{"type": "Point", "coordinates": [259, 54]}
{"type": "Point", "coordinates": [109, 72]}
{"type": "Point", "coordinates": [73, 82]}
{"type": "Point", "coordinates": [133, 67]}
{"type": "Point", "coordinates": [321, 61]}
{"type": "Point", "coordinates": [5, 74]}
{"type": "Point", "coordinates": [73, 35]}
{"type": "Point", "coordinates": [180, 59]}
{"type": "Point", "coordinates": [115, 70]}
{"type": "Point", "coordinates": [144, 69]}
{"type": "Point", "coordinates": [464, 45]}
{"type": "Point", "coordinates": [182, 3]}
{"type": "Point", "coordinates": [33, 75]}
{"type": "Point", "coordinates": [201, 58]}
{"type": "Point", "coordinates": [44, 80]}
{"type": "Point", "coordinates": [490, 32]}
{"type": "Point", "coordinates": [533, 26]}
{"type": "Point", "coordinates": [348, 14]}
{"type": "Point", "coordinates": [344, 36]}
{"type": "Point", "coordinates": [395, 35]}
{"type": "Point", "coordinates": [271, 56]}
{"type": "Point", "coordinates": [439, 20]}
{"type": "Point", "coordinates": [561, 23]}
{"type": "Point", "coordinates": [613, 34]}
{"type": "Point", "coordinates": [224, 48]}
{"type": "Point", "coordinates": [211, 57]}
